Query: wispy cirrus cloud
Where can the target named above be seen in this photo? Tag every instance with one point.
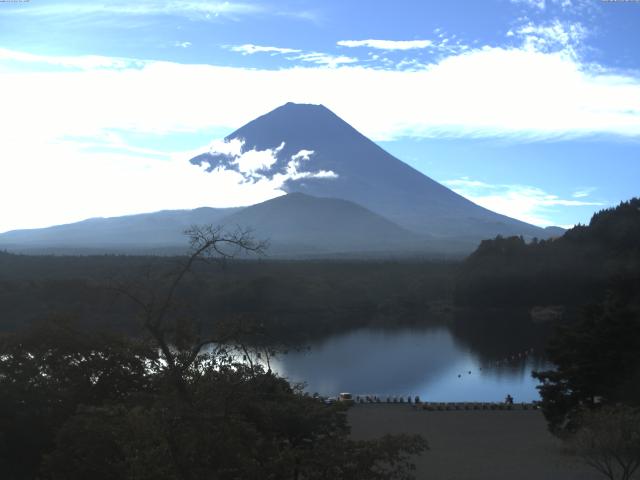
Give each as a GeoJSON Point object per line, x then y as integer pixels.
{"type": "Point", "coordinates": [554, 36]}
{"type": "Point", "coordinates": [583, 192]}
{"type": "Point", "coordinates": [183, 8]}
{"type": "Point", "coordinates": [82, 62]}
{"type": "Point", "coordinates": [250, 49]}
{"type": "Point", "coordinates": [294, 54]}
{"type": "Point", "coordinates": [386, 44]}
{"type": "Point", "coordinates": [543, 4]}
{"type": "Point", "coordinates": [384, 53]}
{"type": "Point", "coordinates": [524, 202]}
{"type": "Point", "coordinates": [194, 10]}
{"type": "Point", "coordinates": [326, 59]}
{"type": "Point", "coordinates": [539, 4]}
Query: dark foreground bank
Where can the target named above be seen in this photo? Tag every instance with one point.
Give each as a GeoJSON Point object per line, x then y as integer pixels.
{"type": "Point", "coordinates": [476, 444]}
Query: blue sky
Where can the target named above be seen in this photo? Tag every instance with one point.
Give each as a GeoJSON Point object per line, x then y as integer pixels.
{"type": "Point", "coordinates": [528, 107]}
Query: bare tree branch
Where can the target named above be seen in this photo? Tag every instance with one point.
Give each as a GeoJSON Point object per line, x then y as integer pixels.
{"type": "Point", "coordinates": [205, 241]}
{"type": "Point", "coordinates": [609, 441]}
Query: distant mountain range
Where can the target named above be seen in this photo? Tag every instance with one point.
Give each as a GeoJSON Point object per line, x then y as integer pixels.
{"type": "Point", "coordinates": [346, 195]}
{"type": "Point", "coordinates": [148, 231]}
{"type": "Point", "coordinates": [294, 225]}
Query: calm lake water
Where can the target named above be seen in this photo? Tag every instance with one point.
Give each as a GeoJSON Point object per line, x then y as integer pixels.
{"type": "Point", "coordinates": [433, 363]}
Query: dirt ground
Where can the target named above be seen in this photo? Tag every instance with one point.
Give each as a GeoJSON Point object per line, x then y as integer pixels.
{"type": "Point", "coordinates": [475, 445]}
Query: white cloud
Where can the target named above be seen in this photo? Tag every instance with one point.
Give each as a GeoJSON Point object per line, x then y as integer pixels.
{"type": "Point", "coordinates": [318, 174]}
{"type": "Point", "coordinates": [555, 36]}
{"type": "Point", "coordinates": [483, 92]}
{"type": "Point", "coordinates": [293, 166]}
{"type": "Point", "coordinates": [122, 10]}
{"type": "Point", "coordinates": [543, 4]}
{"type": "Point", "coordinates": [584, 192]}
{"type": "Point", "coordinates": [539, 4]}
{"type": "Point", "coordinates": [331, 61]}
{"type": "Point", "coordinates": [302, 155]}
{"type": "Point", "coordinates": [412, 64]}
{"type": "Point", "coordinates": [60, 183]}
{"type": "Point", "coordinates": [255, 164]}
{"type": "Point", "coordinates": [318, 58]}
{"type": "Point", "coordinates": [250, 49]}
{"type": "Point", "coordinates": [185, 8]}
{"type": "Point", "coordinates": [253, 161]}
{"type": "Point", "coordinates": [524, 202]}
{"type": "Point", "coordinates": [517, 93]}
{"type": "Point", "coordinates": [183, 44]}
{"type": "Point", "coordinates": [386, 44]}
{"type": "Point", "coordinates": [229, 148]}
{"type": "Point", "coordinates": [83, 62]}
{"type": "Point", "coordinates": [467, 183]}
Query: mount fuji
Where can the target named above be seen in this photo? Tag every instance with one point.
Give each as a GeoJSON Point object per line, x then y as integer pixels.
{"type": "Point", "coordinates": [345, 195]}
{"type": "Point", "coordinates": [313, 151]}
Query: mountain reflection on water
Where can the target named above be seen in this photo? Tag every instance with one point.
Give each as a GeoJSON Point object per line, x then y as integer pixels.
{"type": "Point", "coordinates": [466, 361]}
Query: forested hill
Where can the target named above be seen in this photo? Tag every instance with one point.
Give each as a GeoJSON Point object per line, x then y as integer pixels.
{"type": "Point", "coordinates": [574, 269]}
{"type": "Point", "coordinates": [616, 231]}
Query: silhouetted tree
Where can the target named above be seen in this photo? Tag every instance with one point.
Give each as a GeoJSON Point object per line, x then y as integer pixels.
{"type": "Point", "coordinates": [47, 371]}
{"type": "Point", "coordinates": [596, 362]}
{"type": "Point", "coordinates": [571, 270]}
{"type": "Point", "coordinates": [75, 404]}
{"type": "Point", "coordinates": [179, 337]}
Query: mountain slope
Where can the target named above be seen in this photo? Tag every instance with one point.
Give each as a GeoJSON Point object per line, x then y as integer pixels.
{"type": "Point", "coordinates": [294, 224]}
{"type": "Point", "coordinates": [363, 173]}
{"type": "Point", "coordinates": [297, 224]}
{"type": "Point", "coordinates": [148, 230]}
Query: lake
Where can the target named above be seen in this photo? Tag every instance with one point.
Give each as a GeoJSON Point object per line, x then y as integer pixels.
{"type": "Point", "coordinates": [438, 364]}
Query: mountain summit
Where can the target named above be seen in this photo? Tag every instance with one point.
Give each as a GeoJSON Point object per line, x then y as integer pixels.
{"type": "Point", "coordinates": [322, 155]}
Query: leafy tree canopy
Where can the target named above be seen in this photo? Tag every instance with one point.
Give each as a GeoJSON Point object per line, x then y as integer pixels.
{"type": "Point", "coordinates": [596, 361]}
